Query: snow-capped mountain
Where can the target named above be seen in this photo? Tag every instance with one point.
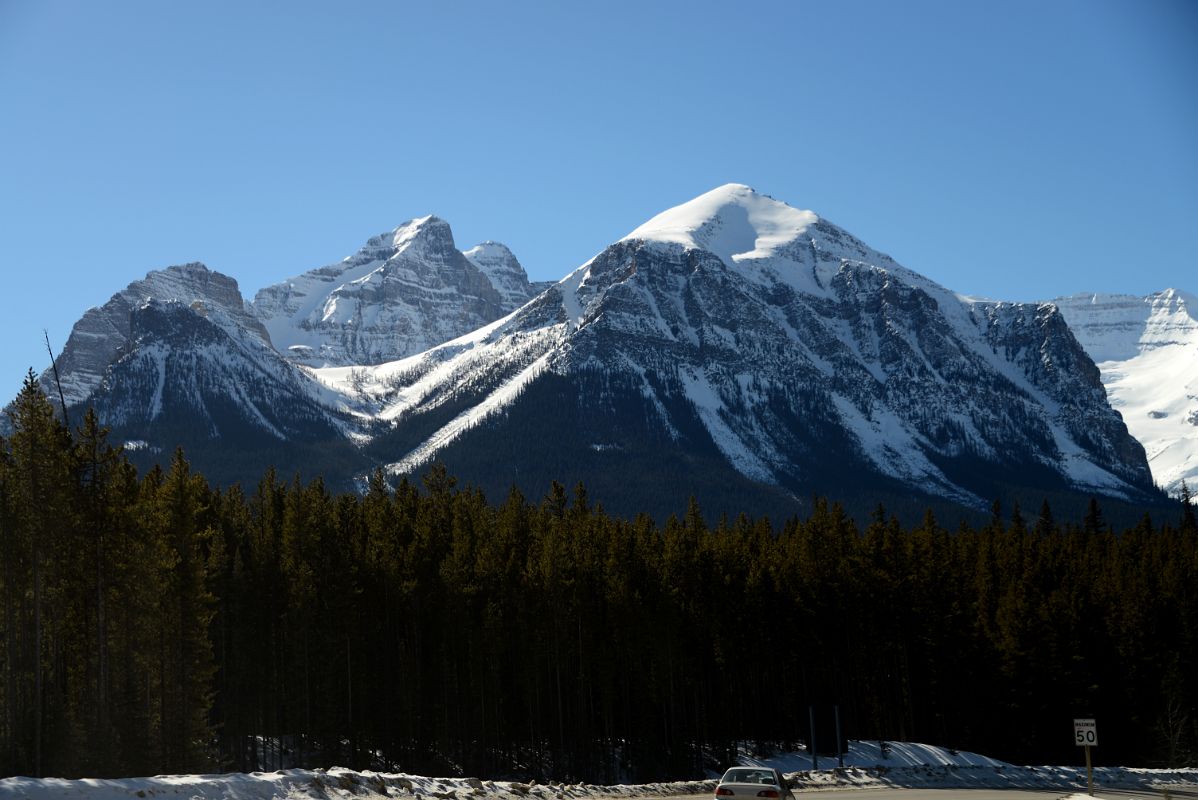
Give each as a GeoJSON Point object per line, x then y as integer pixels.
{"type": "Point", "coordinates": [402, 293]}
{"type": "Point", "coordinates": [1147, 351]}
{"type": "Point", "coordinates": [103, 333]}
{"type": "Point", "coordinates": [194, 364]}
{"type": "Point", "coordinates": [177, 359]}
{"type": "Point", "coordinates": [733, 347]}
{"type": "Point", "coordinates": [736, 342]}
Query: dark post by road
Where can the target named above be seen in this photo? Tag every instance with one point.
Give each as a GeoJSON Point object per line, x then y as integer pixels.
{"type": "Point", "coordinates": [1085, 733]}
{"type": "Point", "coordinates": [1089, 772]}
{"type": "Point", "coordinates": [811, 744]}
{"type": "Point", "coordinates": [839, 741]}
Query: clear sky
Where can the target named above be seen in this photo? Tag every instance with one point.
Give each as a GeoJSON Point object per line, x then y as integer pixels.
{"type": "Point", "coordinates": [1020, 150]}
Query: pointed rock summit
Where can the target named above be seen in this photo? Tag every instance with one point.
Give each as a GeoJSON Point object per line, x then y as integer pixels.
{"type": "Point", "coordinates": [403, 292]}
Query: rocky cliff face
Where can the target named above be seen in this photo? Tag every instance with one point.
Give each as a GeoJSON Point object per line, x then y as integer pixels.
{"type": "Point", "coordinates": [105, 332]}
{"type": "Point", "coordinates": [504, 272]}
{"type": "Point", "coordinates": [402, 293]}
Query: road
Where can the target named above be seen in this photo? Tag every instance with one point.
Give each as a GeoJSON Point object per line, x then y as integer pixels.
{"type": "Point", "coordinates": [991, 794]}
{"type": "Point", "coordinates": [1190, 793]}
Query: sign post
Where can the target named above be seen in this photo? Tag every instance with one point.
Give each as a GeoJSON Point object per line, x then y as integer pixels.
{"type": "Point", "coordinates": [1085, 734]}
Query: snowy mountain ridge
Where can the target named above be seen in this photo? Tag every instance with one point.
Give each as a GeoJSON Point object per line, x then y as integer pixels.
{"type": "Point", "coordinates": [179, 357]}
{"type": "Point", "coordinates": [732, 344]}
{"type": "Point", "coordinates": [789, 324]}
{"type": "Point", "coordinates": [202, 354]}
{"type": "Point", "coordinates": [1118, 327]}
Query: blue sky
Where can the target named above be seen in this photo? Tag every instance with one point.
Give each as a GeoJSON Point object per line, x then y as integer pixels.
{"type": "Point", "coordinates": [1018, 150]}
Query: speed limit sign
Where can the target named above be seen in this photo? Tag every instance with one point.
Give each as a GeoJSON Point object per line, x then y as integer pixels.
{"type": "Point", "coordinates": [1085, 733]}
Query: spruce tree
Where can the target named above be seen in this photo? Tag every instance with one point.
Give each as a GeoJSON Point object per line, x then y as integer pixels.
{"type": "Point", "coordinates": [1045, 524]}
{"type": "Point", "coordinates": [177, 518]}
{"type": "Point", "coordinates": [1189, 522]}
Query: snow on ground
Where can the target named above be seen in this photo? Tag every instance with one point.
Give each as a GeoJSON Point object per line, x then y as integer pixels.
{"type": "Point", "coordinates": [903, 765]}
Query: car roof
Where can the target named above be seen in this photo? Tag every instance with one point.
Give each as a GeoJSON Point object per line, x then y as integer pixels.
{"type": "Point", "coordinates": [770, 771]}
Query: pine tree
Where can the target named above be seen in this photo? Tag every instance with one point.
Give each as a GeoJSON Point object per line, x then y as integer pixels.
{"type": "Point", "coordinates": [40, 448]}
{"type": "Point", "coordinates": [1045, 524]}
{"type": "Point", "coordinates": [11, 590]}
{"type": "Point", "coordinates": [98, 465]}
{"type": "Point", "coordinates": [1018, 526]}
{"type": "Point", "coordinates": [1094, 523]}
{"type": "Point", "coordinates": [1189, 522]}
{"type": "Point", "coordinates": [177, 518]}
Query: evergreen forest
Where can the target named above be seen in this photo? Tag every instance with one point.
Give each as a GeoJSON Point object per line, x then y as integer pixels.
{"type": "Point", "coordinates": [152, 623]}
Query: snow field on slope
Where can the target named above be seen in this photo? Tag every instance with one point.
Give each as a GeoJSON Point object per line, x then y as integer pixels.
{"type": "Point", "coordinates": [305, 291]}
{"type": "Point", "coordinates": [1147, 351]}
{"type": "Point", "coordinates": [708, 404]}
{"type": "Point", "coordinates": [895, 451]}
{"type": "Point", "coordinates": [493, 403]}
{"type": "Point", "coordinates": [1165, 420]}
{"type": "Point", "coordinates": [905, 765]}
{"type": "Point", "coordinates": [399, 386]}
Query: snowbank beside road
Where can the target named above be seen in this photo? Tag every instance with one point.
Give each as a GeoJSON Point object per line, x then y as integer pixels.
{"type": "Point", "coordinates": [903, 765]}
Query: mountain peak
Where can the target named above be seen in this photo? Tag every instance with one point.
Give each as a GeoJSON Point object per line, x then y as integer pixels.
{"type": "Point", "coordinates": [405, 291]}
{"type": "Point", "coordinates": [488, 249]}
{"type": "Point", "coordinates": [1178, 296]}
{"type": "Point", "coordinates": [503, 270]}
{"type": "Point", "coordinates": [190, 268]}
{"type": "Point", "coordinates": [104, 333]}
{"type": "Point", "coordinates": [422, 231]}
{"type": "Point", "coordinates": [733, 221]}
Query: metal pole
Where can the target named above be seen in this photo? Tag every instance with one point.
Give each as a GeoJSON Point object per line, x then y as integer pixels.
{"type": "Point", "coordinates": [839, 741]}
{"type": "Point", "coordinates": [811, 744]}
{"type": "Point", "coordinates": [1089, 772]}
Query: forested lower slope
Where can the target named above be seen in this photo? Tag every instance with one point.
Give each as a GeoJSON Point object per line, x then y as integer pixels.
{"type": "Point", "coordinates": [154, 624]}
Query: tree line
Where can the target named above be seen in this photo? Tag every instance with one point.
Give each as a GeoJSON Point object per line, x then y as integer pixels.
{"type": "Point", "coordinates": [154, 623]}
